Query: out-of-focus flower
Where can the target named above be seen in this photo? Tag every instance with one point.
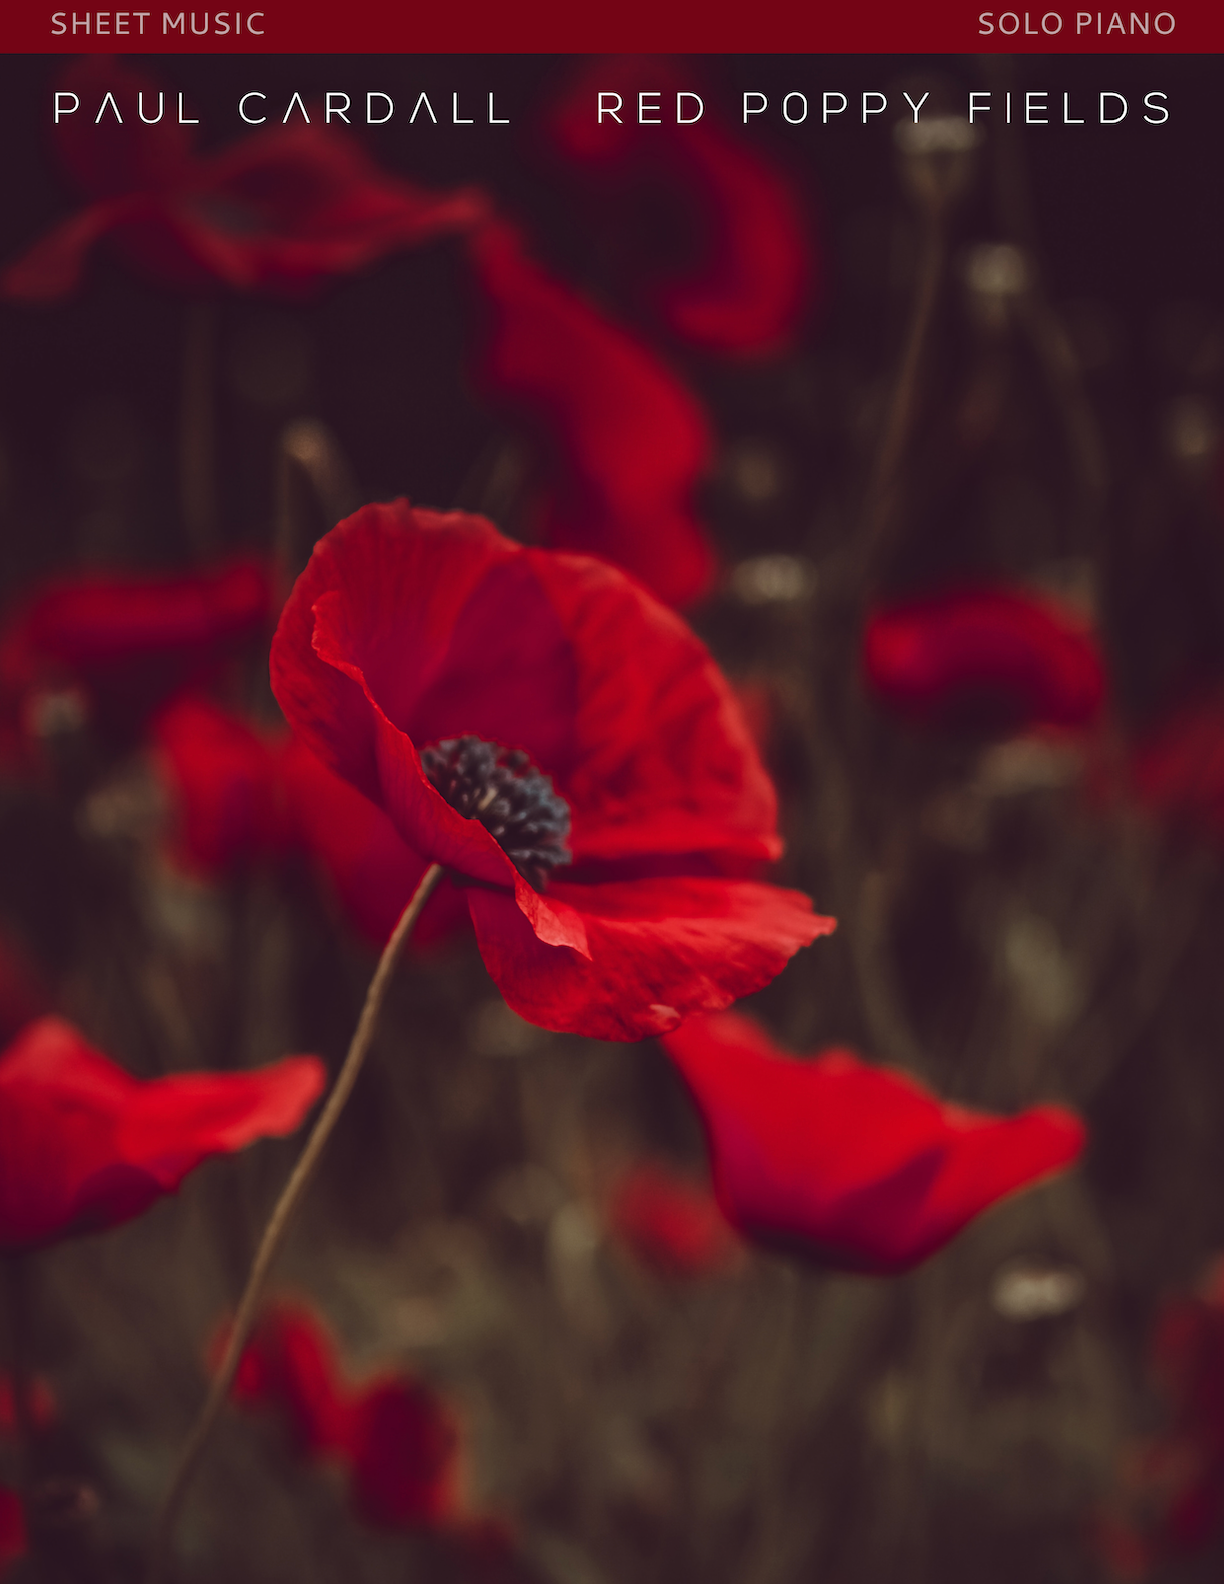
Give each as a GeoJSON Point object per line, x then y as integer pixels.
{"type": "Point", "coordinates": [281, 210]}
{"type": "Point", "coordinates": [227, 792]}
{"type": "Point", "coordinates": [752, 269]}
{"type": "Point", "coordinates": [672, 1223]}
{"type": "Point", "coordinates": [582, 767]}
{"type": "Point", "coordinates": [40, 1401]}
{"type": "Point", "coordinates": [84, 1145]}
{"type": "Point", "coordinates": [860, 1165]}
{"type": "Point", "coordinates": [122, 646]}
{"type": "Point", "coordinates": [239, 796]}
{"type": "Point", "coordinates": [13, 1537]}
{"type": "Point", "coordinates": [394, 1437]}
{"type": "Point", "coordinates": [289, 1365]}
{"type": "Point", "coordinates": [985, 658]}
{"type": "Point", "coordinates": [401, 1450]}
{"type": "Point", "coordinates": [1168, 1502]}
{"type": "Point", "coordinates": [630, 441]}
{"type": "Point", "coordinates": [1177, 769]}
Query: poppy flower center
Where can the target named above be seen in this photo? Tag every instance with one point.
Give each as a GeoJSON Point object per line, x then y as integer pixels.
{"type": "Point", "coordinates": [515, 802]}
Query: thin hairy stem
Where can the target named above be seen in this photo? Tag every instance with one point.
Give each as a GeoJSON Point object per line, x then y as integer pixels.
{"type": "Point", "coordinates": [278, 1226]}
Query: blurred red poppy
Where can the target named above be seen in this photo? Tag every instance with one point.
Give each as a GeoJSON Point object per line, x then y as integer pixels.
{"type": "Point", "coordinates": [860, 1165]}
{"type": "Point", "coordinates": [13, 1537]}
{"type": "Point", "coordinates": [122, 646]}
{"type": "Point", "coordinates": [290, 1365]}
{"type": "Point", "coordinates": [402, 1449]}
{"type": "Point", "coordinates": [41, 1404]}
{"type": "Point", "coordinates": [394, 1436]}
{"type": "Point", "coordinates": [228, 797]}
{"type": "Point", "coordinates": [985, 658]}
{"type": "Point", "coordinates": [84, 1145]}
{"type": "Point", "coordinates": [1177, 768]}
{"type": "Point", "coordinates": [281, 210]}
{"type": "Point", "coordinates": [750, 268]}
{"type": "Point", "coordinates": [565, 722]}
{"type": "Point", "coordinates": [630, 441]}
{"type": "Point", "coordinates": [1169, 1499]}
{"type": "Point", "coordinates": [239, 796]}
{"type": "Point", "coordinates": [672, 1223]}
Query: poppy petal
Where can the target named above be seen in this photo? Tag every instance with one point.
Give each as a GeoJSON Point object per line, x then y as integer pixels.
{"type": "Point", "coordinates": [402, 1451]}
{"type": "Point", "coordinates": [659, 949]}
{"type": "Point", "coordinates": [696, 783]}
{"type": "Point", "coordinates": [53, 267]}
{"type": "Point", "coordinates": [752, 276]}
{"type": "Point", "coordinates": [988, 658]}
{"type": "Point", "coordinates": [858, 1164]}
{"type": "Point", "coordinates": [14, 1539]}
{"type": "Point", "coordinates": [372, 869]}
{"type": "Point", "coordinates": [632, 441]}
{"type": "Point", "coordinates": [226, 782]}
{"type": "Point", "coordinates": [290, 1365]}
{"type": "Point", "coordinates": [84, 1145]}
{"type": "Point", "coordinates": [672, 1222]}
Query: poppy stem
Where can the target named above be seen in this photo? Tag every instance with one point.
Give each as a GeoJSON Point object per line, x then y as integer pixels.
{"type": "Point", "coordinates": [278, 1226]}
{"type": "Point", "coordinates": [880, 506]}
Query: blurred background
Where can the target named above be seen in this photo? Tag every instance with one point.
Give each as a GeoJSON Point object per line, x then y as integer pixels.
{"type": "Point", "coordinates": [1002, 369]}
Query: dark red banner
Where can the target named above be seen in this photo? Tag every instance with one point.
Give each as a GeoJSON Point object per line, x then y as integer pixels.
{"type": "Point", "coordinates": [358, 26]}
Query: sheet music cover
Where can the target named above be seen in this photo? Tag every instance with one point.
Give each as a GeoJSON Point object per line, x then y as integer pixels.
{"type": "Point", "coordinates": [611, 795]}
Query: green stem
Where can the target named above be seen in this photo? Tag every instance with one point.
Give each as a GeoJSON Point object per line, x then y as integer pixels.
{"type": "Point", "coordinates": [278, 1226]}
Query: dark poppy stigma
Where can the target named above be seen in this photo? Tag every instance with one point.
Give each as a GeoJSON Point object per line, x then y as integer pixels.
{"type": "Point", "coordinates": [515, 802]}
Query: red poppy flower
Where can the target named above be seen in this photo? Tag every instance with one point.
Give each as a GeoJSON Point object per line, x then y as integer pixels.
{"type": "Point", "coordinates": [1169, 1498]}
{"type": "Point", "coordinates": [371, 869]}
{"type": "Point", "coordinates": [393, 1436]}
{"type": "Point", "coordinates": [754, 273]}
{"type": "Point", "coordinates": [127, 644]}
{"type": "Point", "coordinates": [402, 1450]}
{"type": "Point", "coordinates": [41, 1404]}
{"type": "Point", "coordinates": [84, 1145]}
{"type": "Point", "coordinates": [859, 1164]}
{"type": "Point", "coordinates": [1178, 768]}
{"type": "Point", "coordinates": [452, 674]}
{"type": "Point", "coordinates": [240, 797]}
{"type": "Point", "coordinates": [991, 659]}
{"type": "Point", "coordinates": [290, 1365]}
{"type": "Point", "coordinates": [14, 1540]}
{"type": "Point", "coordinates": [228, 796]}
{"type": "Point", "coordinates": [279, 211]}
{"type": "Point", "coordinates": [631, 441]}
{"type": "Point", "coordinates": [672, 1223]}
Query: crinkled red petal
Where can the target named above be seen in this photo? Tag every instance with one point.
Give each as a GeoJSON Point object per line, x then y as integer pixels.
{"type": "Point", "coordinates": [665, 763]}
{"type": "Point", "coordinates": [659, 950]}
